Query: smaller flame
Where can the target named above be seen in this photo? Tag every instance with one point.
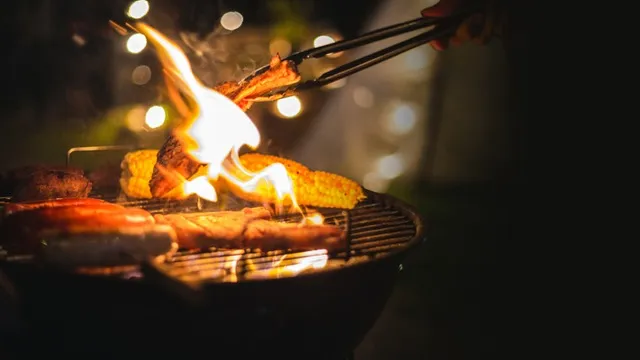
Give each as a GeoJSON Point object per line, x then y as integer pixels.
{"type": "Point", "coordinates": [227, 270]}
{"type": "Point", "coordinates": [314, 219]}
{"type": "Point", "coordinates": [316, 259]}
{"type": "Point", "coordinates": [298, 262]}
{"type": "Point", "coordinates": [201, 187]}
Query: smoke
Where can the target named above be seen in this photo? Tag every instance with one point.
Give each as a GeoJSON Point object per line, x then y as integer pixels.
{"type": "Point", "coordinates": [222, 55]}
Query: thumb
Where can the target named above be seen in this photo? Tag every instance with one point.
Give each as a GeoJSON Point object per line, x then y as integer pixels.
{"type": "Point", "coordinates": [441, 9]}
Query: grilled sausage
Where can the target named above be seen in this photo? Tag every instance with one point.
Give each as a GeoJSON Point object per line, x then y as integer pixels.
{"type": "Point", "coordinates": [115, 246]}
{"type": "Point", "coordinates": [12, 208]}
{"type": "Point", "coordinates": [21, 231]}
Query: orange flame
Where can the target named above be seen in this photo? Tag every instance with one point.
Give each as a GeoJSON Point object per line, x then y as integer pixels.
{"type": "Point", "coordinates": [314, 219]}
{"type": "Point", "coordinates": [217, 130]}
{"type": "Point", "coordinates": [291, 265]}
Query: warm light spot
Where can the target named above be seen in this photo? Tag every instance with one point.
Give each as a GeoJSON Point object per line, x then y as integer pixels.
{"type": "Point", "coordinates": [231, 20]}
{"type": "Point", "coordinates": [155, 117]}
{"type": "Point", "coordinates": [402, 120]}
{"type": "Point", "coordinates": [336, 84]}
{"type": "Point", "coordinates": [315, 219]}
{"type": "Point", "coordinates": [289, 107]}
{"type": "Point", "coordinates": [323, 40]}
{"type": "Point", "coordinates": [280, 46]}
{"type": "Point", "coordinates": [416, 59]}
{"type": "Point", "coordinates": [390, 166]}
{"type": "Point", "coordinates": [138, 9]}
{"type": "Point", "coordinates": [373, 181]}
{"type": "Point", "coordinates": [363, 97]}
{"type": "Point", "coordinates": [201, 187]}
{"type": "Point", "coordinates": [136, 43]}
{"type": "Point", "coordinates": [315, 259]}
{"type": "Point", "coordinates": [135, 118]}
{"type": "Point", "coordinates": [141, 75]}
{"type": "Point", "coordinates": [78, 40]}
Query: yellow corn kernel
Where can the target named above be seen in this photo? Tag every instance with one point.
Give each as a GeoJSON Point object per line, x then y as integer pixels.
{"type": "Point", "coordinates": [140, 163]}
{"type": "Point", "coordinates": [312, 188]}
{"type": "Point", "coordinates": [137, 169]}
{"type": "Point", "coordinates": [135, 187]}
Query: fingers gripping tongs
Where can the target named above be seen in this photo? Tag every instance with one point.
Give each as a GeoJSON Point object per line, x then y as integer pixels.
{"type": "Point", "coordinates": [440, 27]}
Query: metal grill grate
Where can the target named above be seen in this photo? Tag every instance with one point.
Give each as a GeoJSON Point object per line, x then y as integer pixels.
{"type": "Point", "coordinates": [373, 228]}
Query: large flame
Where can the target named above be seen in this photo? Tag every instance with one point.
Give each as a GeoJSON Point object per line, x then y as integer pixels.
{"type": "Point", "coordinates": [217, 129]}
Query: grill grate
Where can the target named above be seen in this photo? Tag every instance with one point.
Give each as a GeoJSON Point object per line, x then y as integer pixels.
{"type": "Point", "coordinates": [373, 228]}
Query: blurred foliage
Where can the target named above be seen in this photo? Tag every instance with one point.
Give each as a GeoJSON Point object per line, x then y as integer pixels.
{"type": "Point", "coordinates": [48, 142]}
{"type": "Point", "coordinates": [290, 19]}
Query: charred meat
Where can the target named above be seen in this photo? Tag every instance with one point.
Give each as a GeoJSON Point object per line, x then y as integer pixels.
{"type": "Point", "coordinates": [43, 183]}
{"type": "Point", "coordinates": [173, 165]}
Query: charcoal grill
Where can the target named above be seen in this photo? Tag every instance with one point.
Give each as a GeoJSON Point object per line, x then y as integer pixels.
{"type": "Point", "coordinates": [182, 308]}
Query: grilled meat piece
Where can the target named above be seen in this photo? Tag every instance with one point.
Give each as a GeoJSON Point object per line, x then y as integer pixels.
{"type": "Point", "coordinates": [280, 74]}
{"type": "Point", "coordinates": [14, 178]}
{"type": "Point", "coordinates": [174, 164]}
{"type": "Point", "coordinates": [250, 228]}
{"type": "Point", "coordinates": [42, 183]}
{"type": "Point", "coordinates": [106, 177]}
{"type": "Point", "coordinates": [270, 235]}
{"type": "Point", "coordinates": [217, 229]}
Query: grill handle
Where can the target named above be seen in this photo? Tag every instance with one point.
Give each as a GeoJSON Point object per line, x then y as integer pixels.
{"type": "Point", "coordinates": [97, 148]}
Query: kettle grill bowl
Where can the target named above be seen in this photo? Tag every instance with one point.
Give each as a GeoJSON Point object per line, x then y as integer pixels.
{"type": "Point", "coordinates": [318, 315]}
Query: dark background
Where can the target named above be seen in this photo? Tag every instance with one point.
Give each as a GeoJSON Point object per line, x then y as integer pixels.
{"type": "Point", "coordinates": [54, 94]}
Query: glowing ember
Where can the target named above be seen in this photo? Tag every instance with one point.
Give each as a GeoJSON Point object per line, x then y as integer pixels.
{"type": "Point", "coordinates": [290, 265]}
{"type": "Point", "coordinates": [316, 219]}
{"type": "Point", "coordinates": [274, 266]}
{"type": "Point", "coordinates": [218, 129]}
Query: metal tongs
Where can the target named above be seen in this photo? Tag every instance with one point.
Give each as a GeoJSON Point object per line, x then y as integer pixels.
{"type": "Point", "coordinates": [442, 27]}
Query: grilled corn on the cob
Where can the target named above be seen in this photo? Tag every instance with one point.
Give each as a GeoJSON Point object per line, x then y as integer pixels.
{"type": "Point", "coordinates": [312, 188]}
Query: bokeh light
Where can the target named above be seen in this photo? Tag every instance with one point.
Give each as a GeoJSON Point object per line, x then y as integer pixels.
{"type": "Point", "coordinates": [289, 107]}
{"type": "Point", "coordinates": [155, 117]}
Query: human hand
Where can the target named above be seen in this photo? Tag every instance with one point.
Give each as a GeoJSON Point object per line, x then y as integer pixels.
{"type": "Point", "coordinates": [476, 27]}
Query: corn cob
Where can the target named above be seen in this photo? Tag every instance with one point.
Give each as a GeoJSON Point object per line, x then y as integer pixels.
{"type": "Point", "coordinates": [313, 188]}
{"type": "Point", "coordinates": [137, 168]}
